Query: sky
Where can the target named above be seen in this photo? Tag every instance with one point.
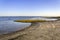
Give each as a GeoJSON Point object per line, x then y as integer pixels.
{"type": "Point", "coordinates": [29, 7]}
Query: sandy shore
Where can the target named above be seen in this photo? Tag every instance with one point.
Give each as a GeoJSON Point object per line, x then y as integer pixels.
{"type": "Point", "coordinates": [37, 31]}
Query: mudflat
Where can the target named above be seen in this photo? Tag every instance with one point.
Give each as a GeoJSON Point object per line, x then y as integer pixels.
{"type": "Point", "coordinates": [37, 31]}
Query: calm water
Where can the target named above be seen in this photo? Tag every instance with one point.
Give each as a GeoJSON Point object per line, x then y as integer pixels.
{"type": "Point", "coordinates": [7, 24]}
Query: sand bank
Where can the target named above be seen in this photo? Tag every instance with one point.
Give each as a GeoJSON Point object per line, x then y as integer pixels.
{"type": "Point", "coordinates": [37, 31]}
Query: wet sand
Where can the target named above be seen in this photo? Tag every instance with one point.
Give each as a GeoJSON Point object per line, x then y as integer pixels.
{"type": "Point", "coordinates": [37, 31]}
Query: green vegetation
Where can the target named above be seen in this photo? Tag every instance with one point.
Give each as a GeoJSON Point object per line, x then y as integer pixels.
{"type": "Point", "coordinates": [30, 21]}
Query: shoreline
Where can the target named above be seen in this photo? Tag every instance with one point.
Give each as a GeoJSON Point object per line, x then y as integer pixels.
{"type": "Point", "coordinates": [25, 31]}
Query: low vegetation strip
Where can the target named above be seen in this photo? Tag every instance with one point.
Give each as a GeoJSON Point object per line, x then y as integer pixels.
{"type": "Point", "coordinates": [30, 21]}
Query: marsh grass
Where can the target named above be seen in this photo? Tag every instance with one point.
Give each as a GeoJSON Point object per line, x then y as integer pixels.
{"type": "Point", "coordinates": [30, 21]}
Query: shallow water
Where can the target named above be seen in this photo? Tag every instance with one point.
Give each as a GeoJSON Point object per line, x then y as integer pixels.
{"type": "Point", "coordinates": [10, 26]}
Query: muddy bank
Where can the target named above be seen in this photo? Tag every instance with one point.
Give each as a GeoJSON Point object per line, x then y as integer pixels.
{"type": "Point", "coordinates": [37, 31]}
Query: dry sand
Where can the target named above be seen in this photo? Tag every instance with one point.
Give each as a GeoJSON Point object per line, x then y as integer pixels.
{"type": "Point", "coordinates": [37, 31]}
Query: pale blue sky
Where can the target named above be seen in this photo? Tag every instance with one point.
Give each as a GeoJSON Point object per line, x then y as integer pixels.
{"type": "Point", "coordinates": [29, 7]}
